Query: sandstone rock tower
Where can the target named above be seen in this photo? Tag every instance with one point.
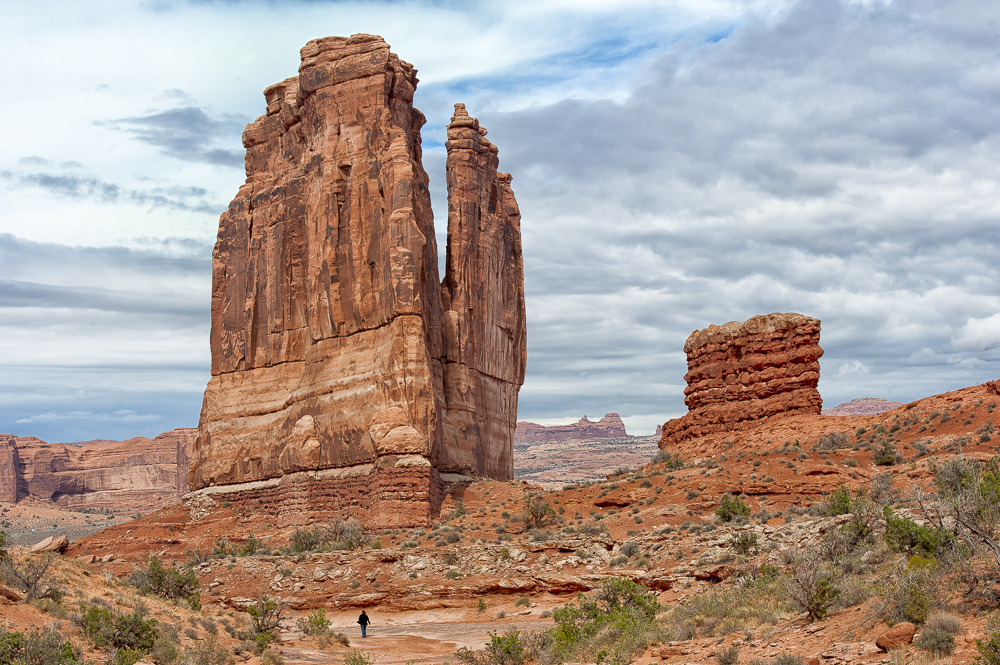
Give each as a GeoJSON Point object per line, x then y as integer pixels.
{"type": "Point", "coordinates": [346, 378]}
{"type": "Point", "coordinates": [739, 373]}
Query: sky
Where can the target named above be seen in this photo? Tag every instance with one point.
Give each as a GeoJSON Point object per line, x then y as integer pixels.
{"type": "Point", "coordinates": [677, 164]}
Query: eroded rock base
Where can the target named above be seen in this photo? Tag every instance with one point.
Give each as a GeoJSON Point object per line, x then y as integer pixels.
{"type": "Point", "coordinates": [406, 492]}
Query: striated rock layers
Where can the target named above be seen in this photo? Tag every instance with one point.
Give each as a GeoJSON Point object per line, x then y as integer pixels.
{"type": "Point", "coordinates": [346, 377]}
{"type": "Point", "coordinates": [113, 474]}
{"type": "Point", "coordinates": [739, 373]}
{"type": "Point", "coordinates": [608, 427]}
{"type": "Point", "coordinates": [862, 406]}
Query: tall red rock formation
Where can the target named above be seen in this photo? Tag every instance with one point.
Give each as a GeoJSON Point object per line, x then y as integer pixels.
{"type": "Point", "coordinates": [740, 373]}
{"type": "Point", "coordinates": [137, 472]}
{"type": "Point", "coordinates": [345, 377]}
{"type": "Point", "coordinates": [608, 427]}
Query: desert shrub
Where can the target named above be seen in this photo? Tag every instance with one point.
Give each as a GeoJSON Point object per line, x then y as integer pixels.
{"type": "Point", "coordinates": [904, 535]}
{"type": "Point", "coordinates": [969, 492]}
{"type": "Point", "coordinates": [42, 646]}
{"type": "Point", "coordinates": [271, 657]}
{"type": "Point", "coordinates": [936, 641]}
{"type": "Point", "coordinates": [810, 585]}
{"type": "Point", "coordinates": [359, 657]}
{"type": "Point", "coordinates": [481, 605]}
{"type": "Point", "coordinates": [946, 622]}
{"type": "Point", "coordinates": [265, 617]}
{"type": "Point", "coordinates": [692, 495]}
{"type": "Point", "coordinates": [909, 592]}
{"type": "Point", "coordinates": [671, 461]}
{"type": "Point", "coordinates": [730, 507]}
{"type": "Point", "coordinates": [314, 624]}
{"type": "Point", "coordinates": [645, 483]}
{"type": "Point", "coordinates": [887, 455]}
{"type": "Point", "coordinates": [838, 502]}
{"type": "Point", "coordinates": [452, 574]}
{"type": "Point", "coordinates": [208, 652]}
{"type": "Point", "coordinates": [125, 635]}
{"type": "Point", "coordinates": [728, 656]}
{"type": "Point", "coordinates": [788, 659]}
{"type": "Point", "coordinates": [29, 573]}
{"type": "Point", "coordinates": [306, 540]}
{"type": "Point", "coordinates": [253, 545]}
{"type": "Point", "coordinates": [523, 601]}
{"type": "Point", "coordinates": [167, 582]}
{"type": "Point", "coordinates": [989, 648]}
{"type": "Point", "coordinates": [833, 441]}
{"type": "Point", "coordinates": [611, 626]}
{"type": "Point", "coordinates": [744, 542]}
{"type": "Point", "coordinates": [536, 513]}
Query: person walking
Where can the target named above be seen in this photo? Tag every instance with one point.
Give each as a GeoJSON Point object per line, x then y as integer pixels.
{"type": "Point", "coordinates": [363, 620]}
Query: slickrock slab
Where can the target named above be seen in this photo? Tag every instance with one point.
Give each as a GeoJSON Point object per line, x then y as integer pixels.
{"type": "Point", "coordinates": [346, 377]}
{"type": "Point", "coordinates": [740, 373]}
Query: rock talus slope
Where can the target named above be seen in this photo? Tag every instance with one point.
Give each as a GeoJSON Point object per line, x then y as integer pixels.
{"type": "Point", "coordinates": [345, 376]}
{"type": "Point", "coordinates": [740, 373]}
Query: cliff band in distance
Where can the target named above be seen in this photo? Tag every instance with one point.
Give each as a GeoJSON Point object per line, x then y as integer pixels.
{"type": "Point", "coordinates": [608, 427]}
{"type": "Point", "coordinates": [740, 373]}
{"type": "Point", "coordinates": [346, 377]}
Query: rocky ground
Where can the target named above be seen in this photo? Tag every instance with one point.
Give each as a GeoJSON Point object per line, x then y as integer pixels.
{"type": "Point", "coordinates": [558, 463]}
{"type": "Point", "coordinates": [654, 525]}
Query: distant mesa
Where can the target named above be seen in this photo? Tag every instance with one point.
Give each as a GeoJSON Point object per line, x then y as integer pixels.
{"type": "Point", "coordinates": [740, 373]}
{"type": "Point", "coordinates": [139, 472]}
{"type": "Point", "coordinates": [348, 378]}
{"type": "Point", "coordinates": [608, 427]}
{"type": "Point", "coordinates": [862, 406]}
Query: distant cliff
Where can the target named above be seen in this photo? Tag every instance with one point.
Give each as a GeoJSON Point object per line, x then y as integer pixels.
{"type": "Point", "coordinates": [862, 406]}
{"type": "Point", "coordinates": [608, 427]}
{"type": "Point", "coordinates": [117, 474]}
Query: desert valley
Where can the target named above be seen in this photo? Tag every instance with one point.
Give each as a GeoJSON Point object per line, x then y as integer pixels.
{"type": "Point", "coordinates": [359, 449]}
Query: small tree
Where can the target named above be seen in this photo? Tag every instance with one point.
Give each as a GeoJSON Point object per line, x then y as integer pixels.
{"type": "Point", "coordinates": [536, 513]}
{"type": "Point", "coordinates": [28, 573]}
{"type": "Point", "coordinates": [265, 617]}
{"type": "Point", "coordinates": [969, 493]}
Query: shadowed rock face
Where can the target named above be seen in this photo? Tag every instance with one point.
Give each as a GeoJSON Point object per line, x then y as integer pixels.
{"type": "Point", "coordinates": [136, 472]}
{"type": "Point", "coordinates": [335, 346]}
{"type": "Point", "coordinates": [739, 373]}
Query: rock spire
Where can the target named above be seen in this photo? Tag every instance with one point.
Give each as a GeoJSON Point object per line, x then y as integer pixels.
{"type": "Point", "coordinates": [346, 377]}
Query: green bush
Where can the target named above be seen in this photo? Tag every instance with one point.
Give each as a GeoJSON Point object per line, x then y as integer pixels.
{"type": "Point", "coordinates": [120, 632]}
{"type": "Point", "coordinates": [838, 503]}
{"type": "Point", "coordinates": [536, 513]}
{"type": "Point", "coordinates": [730, 507]}
{"type": "Point", "coordinates": [671, 461]}
{"type": "Point", "coordinates": [936, 641]}
{"type": "Point", "coordinates": [359, 658]}
{"type": "Point", "coordinates": [167, 582]}
{"type": "Point", "coordinates": [744, 542]}
{"type": "Point", "coordinates": [315, 624]}
{"type": "Point", "coordinates": [38, 647]}
{"type": "Point", "coordinates": [909, 592]}
{"type": "Point", "coordinates": [810, 586]}
{"type": "Point", "coordinates": [253, 545]}
{"type": "Point", "coordinates": [887, 455]}
{"type": "Point", "coordinates": [265, 617]}
{"type": "Point", "coordinates": [989, 650]}
{"type": "Point", "coordinates": [904, 535]}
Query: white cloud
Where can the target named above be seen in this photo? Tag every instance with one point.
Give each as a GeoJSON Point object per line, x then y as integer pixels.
{"type": "Point", "coordinates": [978, 334]}
{"type": "Point", "coordinates": [853, 367]}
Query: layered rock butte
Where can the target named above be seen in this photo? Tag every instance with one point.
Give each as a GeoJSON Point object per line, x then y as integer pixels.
{"type": "Point", "coordinates": [139, 472]}
{"type": "Point", "coordinates": [741, 373]}
{"type": "Point", "coordinates": [608, 427]}
{"type": "Point", "coordinates": [346, 377]}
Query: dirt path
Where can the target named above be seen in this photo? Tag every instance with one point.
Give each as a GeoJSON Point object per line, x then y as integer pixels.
{"type": "Point", "coordinates": [417, 643]}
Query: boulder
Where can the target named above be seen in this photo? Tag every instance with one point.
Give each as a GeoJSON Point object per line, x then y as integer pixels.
{"type": "Point", "coordinates": [87, 558]}
{"type": "Point", "coordinates": [901, 633]}
{"type": "Point", "coordinates": [51, 544]}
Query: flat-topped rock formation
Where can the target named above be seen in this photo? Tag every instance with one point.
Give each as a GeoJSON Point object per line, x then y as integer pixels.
{"type": "Point", "coordinates": [137, 472]}
{"type": "Point", "coordinates": [608, 427]}
{"type": "Point", "coordinates": [346, 377]}
{"type": "Point", "coordinates": [862, 406]}
{"type": "Point", "coordinates": [740, 373]}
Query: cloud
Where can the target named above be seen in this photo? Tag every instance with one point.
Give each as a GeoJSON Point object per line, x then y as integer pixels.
{"type": "Point", "coordinates": [79, 188]}
{"type": "Point", "coordinates": [187, 133]}
{"type": "Point", "coordinates": [854, 367]}
{"type": "Point", "coordinates": [978, 334]}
